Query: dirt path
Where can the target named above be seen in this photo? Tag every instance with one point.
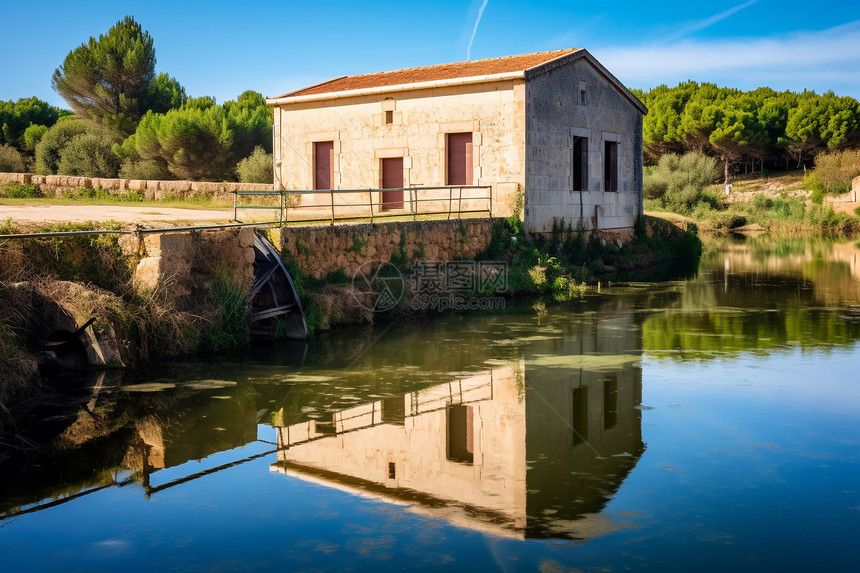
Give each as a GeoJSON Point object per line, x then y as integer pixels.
{"type": "Point", "coordinates": [28, 216]}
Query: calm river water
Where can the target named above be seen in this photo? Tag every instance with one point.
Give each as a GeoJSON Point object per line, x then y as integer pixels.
{"type": "Point", "coordinates": [711, 424]}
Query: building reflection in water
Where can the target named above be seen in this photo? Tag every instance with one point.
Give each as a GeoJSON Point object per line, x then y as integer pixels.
{"type": "Point", "coordinates": [529, 449]}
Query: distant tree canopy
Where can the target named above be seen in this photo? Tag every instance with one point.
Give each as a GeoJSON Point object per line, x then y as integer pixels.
{"type": "Point", "coordinates": [198, 141]}
{"type": "Point", "coordinates": [761, 125]}
{"type": "Point", "coordinates": [164, 93]}
{"type": "Point", "coordinates": [17, 116]}
{"type": "Point", "coordinates": [112, 80]}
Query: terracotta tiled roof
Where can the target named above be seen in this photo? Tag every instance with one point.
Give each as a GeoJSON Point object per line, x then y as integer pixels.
{"type": "Point", "coordinates": [432, 73]}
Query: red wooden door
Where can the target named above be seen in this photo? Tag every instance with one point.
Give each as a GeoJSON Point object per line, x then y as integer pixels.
{"type": "Point", "coordinates": [392, 178]}
{"type": "Point", "coordinates": [459, 159]}
{"type": "Point", "coordinates": [323, 164]}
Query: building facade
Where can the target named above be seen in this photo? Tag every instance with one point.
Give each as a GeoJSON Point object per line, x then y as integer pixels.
{"type": "Point", "coordinates": [554, 126]}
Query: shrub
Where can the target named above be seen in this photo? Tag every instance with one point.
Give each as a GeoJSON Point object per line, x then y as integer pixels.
{"type": "Point", "coordinates": [834, 171]}
{"type": "Point", "coordinates": [33, 135]}
{"type": "Point", "coordinates": [96, 259]}
{"type": "Point", "coordinates": [11, 160]}
{"type": "Point", "coordinates": [150, 169]}
{"type": "Point", "coordinates": [8, 227]}
{"type": "Point", "coordinates": [89, 155]}
{"type": "Point", "coordinates": [703, 211]}
{"type": "Point", "coordinates": [679, 181]}
{"type": "Point", "coordinates": [22, 191]}
{"type": "Point", "coordinates": [682, 200]}
{"type": "Point", "coordinates": [256, 168]}
{"type": "Point", "coordinates": [812, 181]}
{"type": "Point", "coordinates": [788, 209]}
{"type": "Point", "coordinates": [53, 142]}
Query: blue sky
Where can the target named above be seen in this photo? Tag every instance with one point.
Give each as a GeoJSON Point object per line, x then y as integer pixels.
{"type": "Point", "coordinates": [222, 48]}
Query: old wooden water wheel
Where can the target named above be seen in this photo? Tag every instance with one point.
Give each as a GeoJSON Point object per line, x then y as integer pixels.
{"type": "Point", "coordinates": [276, 311]}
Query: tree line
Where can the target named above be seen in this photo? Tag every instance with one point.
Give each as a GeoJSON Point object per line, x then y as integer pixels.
{"type": "Point", "coordinates": [130, 122]}
{"type": "Point", "coordinates": [753, 128]}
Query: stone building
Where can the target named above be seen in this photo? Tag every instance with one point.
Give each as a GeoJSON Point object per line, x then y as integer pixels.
{"type": "Point", "coordinates": [556, 126]}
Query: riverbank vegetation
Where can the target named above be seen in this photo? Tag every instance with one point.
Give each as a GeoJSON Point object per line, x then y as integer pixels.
{"type": "Point", "coordinates": [46, 283]}
{"type": "Point", "coordinates": [793, 202]}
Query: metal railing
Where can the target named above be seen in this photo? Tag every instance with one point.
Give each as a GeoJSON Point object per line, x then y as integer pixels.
{"type": "Point", "coordinates": [331, 205]}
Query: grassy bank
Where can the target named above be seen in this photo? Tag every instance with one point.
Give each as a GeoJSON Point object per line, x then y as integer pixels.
{"type": "Point", "coordinates": [779, 204]}
{"type": "Point", "coordinates": [47, 283]}
{"type": "Point", "coordinates": [779, 214]}
{"type": "Point", "coordinates": [787, 202]}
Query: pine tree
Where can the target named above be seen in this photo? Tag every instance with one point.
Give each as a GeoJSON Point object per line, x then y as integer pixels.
{"type": "Point", "coordinates": [107, 80]}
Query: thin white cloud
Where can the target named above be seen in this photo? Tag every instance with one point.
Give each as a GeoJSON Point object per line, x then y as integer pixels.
{"type": "Point", "coordinates": [707, 22]}
{"type": "Point", "coordinates": [475, 30]}
{"type": "Point", "coordinates": [822, 60]}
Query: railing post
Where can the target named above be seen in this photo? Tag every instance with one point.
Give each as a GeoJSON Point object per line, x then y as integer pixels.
{"type": "Point", "coordinates": [460, 205]}
{"type": "Point", "coordinates": [413, 200]}
{"type": "Point", "coordinates": [490, 200]}
{"type": "Point", "coordinates": [234, 207]}
{"type": "Point", "coordinates": [331, 192]}
{"type": "Point", "coordinates": [450, 201]}
{"type": "Point", "coordinates": [370, 202]}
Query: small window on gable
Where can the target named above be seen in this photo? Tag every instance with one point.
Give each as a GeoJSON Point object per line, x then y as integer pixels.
{"type": "Point", "coordinates": [582, 93]}
{"type": "Point", "coordinates": [389, 117]}
{"type": "Point", "coordinates": [582, 97]}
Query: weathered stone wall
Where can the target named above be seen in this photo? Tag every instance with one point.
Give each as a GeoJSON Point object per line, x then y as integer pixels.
{"type": "Point", "coordinates": [554, 116]}
{"type": "Point", "coordinates": [183, 265]}
{"type": "Point", "coordinates": [151, 189]}
{"type": "Point", "coordinates": [320, 250]}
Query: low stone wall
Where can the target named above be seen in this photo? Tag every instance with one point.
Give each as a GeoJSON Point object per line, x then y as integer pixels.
{"type": "Point", "coordinates": [152, 190]}
{"type": "Point", "coordinates": [319, 250]}
{"type": "Point", "coordinates": [747, 196]}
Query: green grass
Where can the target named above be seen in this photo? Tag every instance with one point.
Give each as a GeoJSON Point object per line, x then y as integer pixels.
{"type": "Point", "coordinates": [778, 214]}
